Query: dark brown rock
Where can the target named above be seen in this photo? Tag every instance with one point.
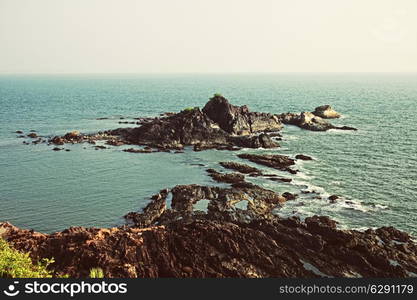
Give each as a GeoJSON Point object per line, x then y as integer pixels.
{"type": "Point", "coordinates": [242, 168]}
{"type": "Point", "coordinates": [326, 112]}
{"type": "Point", "coordinates": [279, 162]}
{"type": "Point", "coordinates": [226, 178]}
{"type": "Point", "coordinates": [237, 119]}
{"type": "Point", "coordinates": [303, 157]}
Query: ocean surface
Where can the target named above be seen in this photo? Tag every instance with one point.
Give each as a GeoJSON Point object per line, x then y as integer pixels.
{"type": "Point", "coordinates": [374, 169]}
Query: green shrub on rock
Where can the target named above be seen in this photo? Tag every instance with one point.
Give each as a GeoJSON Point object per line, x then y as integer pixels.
{"type": "Point", "coordinates": [15, 264]}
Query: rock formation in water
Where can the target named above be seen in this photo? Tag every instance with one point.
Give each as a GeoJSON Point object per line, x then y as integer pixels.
{"type": "Point", "coordinates": [219, 125]}
{"type": "Point", "coordinates": [310, 121]}
{"type": "Point", "coordinates": [237, 120]}
{"type": "Point", "coordinates": [279, 162]}
{"type": "Point", "coordinates": [326, 112]}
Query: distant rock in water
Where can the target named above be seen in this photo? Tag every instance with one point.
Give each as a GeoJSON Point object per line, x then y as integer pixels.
{"type": "Point", "coordinates": [219, 125]}
{"type": "Point", "coordinates": [303, 157]}
{"type": "Point", "coordinates": [309, 121]}
{"type": "Point", "coordinates": [326, 112]}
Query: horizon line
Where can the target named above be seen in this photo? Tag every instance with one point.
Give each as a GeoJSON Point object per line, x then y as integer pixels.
{"type": "Point", "coordinates": [207, 73]}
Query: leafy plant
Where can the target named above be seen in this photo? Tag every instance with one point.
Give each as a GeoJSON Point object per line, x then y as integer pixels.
{"type": "Point", "coordinates": [96, 273]}
{"type": "Point", "coordinates": [16, 264]}
{"type": "Point", "coordinates": [188, 109]}
{"type": "Point", "coordinates": [216, 95]}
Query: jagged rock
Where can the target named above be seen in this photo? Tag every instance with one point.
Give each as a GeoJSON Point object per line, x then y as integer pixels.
{"type": "Point", "coordinates": [226, 178]}
{"type": "Point", "coordinates": [303, 157]}
{"type": "Point", "coordinates": [32, 135]}
{"type": "Point", "coordinates": [326, 112]}
{"type": "Point", "coordinates": [306, 120]}
{"type": "Point", "coordinates": [242, 168]}
{"type": "Point", "coordinates": [191, 127]}
{"type": "Point", "coordinates": [238, 120]}
{"type": "Point", "coordinates": [214, 248]}
{"type": "Point", "coordinates": [309, 121]}
{"type": "Point", "coordinates": [279, 162]}
{"type": "Point", "coordinates": [19, 131]}
{"type": "Point", "coordinates": [259, 141]}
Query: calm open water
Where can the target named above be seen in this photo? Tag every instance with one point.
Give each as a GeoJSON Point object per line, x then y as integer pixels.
{"type": "Point", "coordinates": [374, 169]}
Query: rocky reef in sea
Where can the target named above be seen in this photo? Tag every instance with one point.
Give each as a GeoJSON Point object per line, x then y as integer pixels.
{"type": "Point", "coordinates": [219, 125]}
{"type": "Point", "coordinates": [230, 230]}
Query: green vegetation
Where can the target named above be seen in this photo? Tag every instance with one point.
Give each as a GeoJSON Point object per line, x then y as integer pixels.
{"type": "Point", "coordinates": [217, 95]}
{"type": "Point", "coordinates": [189, 109]}
{"type": "Point", "coordinates": [16, 264]}
{"type": "Point", "coordinates": [96, 273]}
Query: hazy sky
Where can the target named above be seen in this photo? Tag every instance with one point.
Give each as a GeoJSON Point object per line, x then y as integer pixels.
{"type": "Point", "coordinates": [142, 36]}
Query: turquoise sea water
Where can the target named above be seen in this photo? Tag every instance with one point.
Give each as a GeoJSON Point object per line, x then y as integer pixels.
{"type": "Point", "coordinates": [374, 168]}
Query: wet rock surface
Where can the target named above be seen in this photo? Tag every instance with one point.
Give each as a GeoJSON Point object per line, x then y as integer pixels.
{"type": "Point", "coordinates": [279, 162]}
{"type": "Point", "coordinates": [242, 168]}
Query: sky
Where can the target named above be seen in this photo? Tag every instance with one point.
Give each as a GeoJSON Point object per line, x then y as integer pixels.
{"type": "Point", "coordinates": [206, 36]}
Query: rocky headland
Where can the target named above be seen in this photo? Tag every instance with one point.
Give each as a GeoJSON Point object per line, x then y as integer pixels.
{"type": "Point", "coordinates": [226, 230]}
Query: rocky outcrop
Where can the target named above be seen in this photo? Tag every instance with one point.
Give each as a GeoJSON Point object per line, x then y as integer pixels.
{"type": "Point", "coordinates": [326, 112]}
{"type": "Point", "coordinates": [238, 120]}
{"type": "Point", "coordinates": [279, 162]}
{"type": "Point", "coordinates": [242, 168]}
{"type": "Point", "coordinates": [226, 178]}
{"type": "Point", "coordinates": [191, 127]}
{"type": "Point", "coordinates": [309, 121]}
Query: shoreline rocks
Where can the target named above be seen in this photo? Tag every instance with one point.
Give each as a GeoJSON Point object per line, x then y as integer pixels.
{"type": "Point", "coordinates": [201, 248]}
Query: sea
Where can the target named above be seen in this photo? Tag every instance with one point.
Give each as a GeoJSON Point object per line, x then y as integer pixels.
{"type": "Point", "coordinates": [373, 170]}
